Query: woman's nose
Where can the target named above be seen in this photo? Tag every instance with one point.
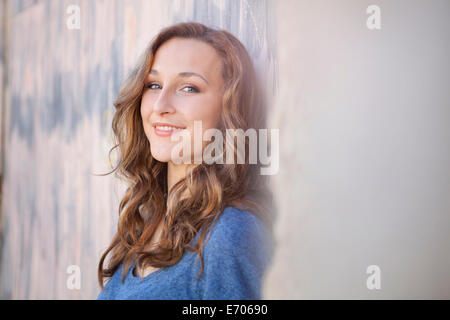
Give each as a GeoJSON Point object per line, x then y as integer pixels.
{"type": "Point", "coordinates": [164, 103]}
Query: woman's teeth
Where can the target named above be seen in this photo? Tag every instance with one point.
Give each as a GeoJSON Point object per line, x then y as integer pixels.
{"type": "Point", "coordinates": [165, 128]}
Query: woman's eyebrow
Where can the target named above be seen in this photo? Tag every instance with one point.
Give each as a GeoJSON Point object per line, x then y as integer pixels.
{"type": "Point", "coordinates": [183, 74]}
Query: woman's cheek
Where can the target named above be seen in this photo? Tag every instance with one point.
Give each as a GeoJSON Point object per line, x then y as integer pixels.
{"type": "Point", "coordinates": [146, 109]}
{"type": "Point", "coordinates": [204, 110]}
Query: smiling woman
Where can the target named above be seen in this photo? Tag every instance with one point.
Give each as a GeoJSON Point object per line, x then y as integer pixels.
{"type": "Point", "coordinates": [167, 104]}
{"type": "Point", "coordinates": [172, 214]}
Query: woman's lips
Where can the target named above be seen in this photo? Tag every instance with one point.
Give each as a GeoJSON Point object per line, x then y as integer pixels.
{"type": "Point", "coordinates": [165, 131]}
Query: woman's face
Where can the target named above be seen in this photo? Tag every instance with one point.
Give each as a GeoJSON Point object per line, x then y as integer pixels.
{"type": "Point", "coordinates": [184, 85]}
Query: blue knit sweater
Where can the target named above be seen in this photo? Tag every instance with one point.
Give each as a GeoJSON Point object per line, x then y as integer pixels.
{"type": "Point", "coordinates": [236, 257]}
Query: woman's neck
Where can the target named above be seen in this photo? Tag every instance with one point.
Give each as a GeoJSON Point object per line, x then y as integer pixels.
{"type": "Point", "coordinates": [175, 172]}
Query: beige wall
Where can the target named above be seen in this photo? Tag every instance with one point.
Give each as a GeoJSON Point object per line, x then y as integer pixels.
{"type": "Point", "coordinates": [365, 150]}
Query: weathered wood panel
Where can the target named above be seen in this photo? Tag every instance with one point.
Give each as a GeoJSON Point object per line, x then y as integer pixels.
{"type": "Point", "coordinates": [61, 85]}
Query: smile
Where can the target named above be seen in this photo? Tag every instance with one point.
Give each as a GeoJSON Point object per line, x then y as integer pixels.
{"type": "Point", "coordinates": [164, 131]}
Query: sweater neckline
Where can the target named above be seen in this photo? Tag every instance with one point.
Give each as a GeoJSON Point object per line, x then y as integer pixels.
{"type": "Point", "coordinates": [149, 276]}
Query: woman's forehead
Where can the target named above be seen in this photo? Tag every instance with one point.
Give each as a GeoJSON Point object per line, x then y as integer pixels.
{"type": "Point", "coordinates": [186, 55]}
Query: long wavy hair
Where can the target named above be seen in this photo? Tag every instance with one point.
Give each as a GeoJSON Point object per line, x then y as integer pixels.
{"type": "Point", "coordinates": [211, 187]}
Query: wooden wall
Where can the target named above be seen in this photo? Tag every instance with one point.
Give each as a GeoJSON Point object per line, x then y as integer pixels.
{"type": "Point", "coordinates": [57, 110]}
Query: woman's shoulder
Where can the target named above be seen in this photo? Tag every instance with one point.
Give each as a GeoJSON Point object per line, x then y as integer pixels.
{"type": "Point", "coordinates": [236, 255]}
{"type": "Point", "coordinates": [236, 219]}
{"type": "Point", "coordinates": [237, 230]}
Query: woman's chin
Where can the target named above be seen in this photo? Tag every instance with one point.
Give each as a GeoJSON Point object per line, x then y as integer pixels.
{"type": "Point", "coordinates": [161, 156]}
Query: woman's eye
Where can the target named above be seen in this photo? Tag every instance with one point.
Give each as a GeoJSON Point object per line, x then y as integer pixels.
{"type": "Point", "coordinates": [151, 85]}
{"type": "Point", "coordinates": [192, 89]}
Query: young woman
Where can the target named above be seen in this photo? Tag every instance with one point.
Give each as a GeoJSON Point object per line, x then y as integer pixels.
{"type": "Point", "coordinates": [189, 230]}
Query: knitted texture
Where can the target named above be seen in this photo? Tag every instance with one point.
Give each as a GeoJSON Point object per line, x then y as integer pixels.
{"type": "Point", "coordinates": [236, 258]}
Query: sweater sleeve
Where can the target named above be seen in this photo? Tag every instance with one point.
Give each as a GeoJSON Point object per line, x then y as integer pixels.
{"type": "Point", "coordinates": [236, 257]}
